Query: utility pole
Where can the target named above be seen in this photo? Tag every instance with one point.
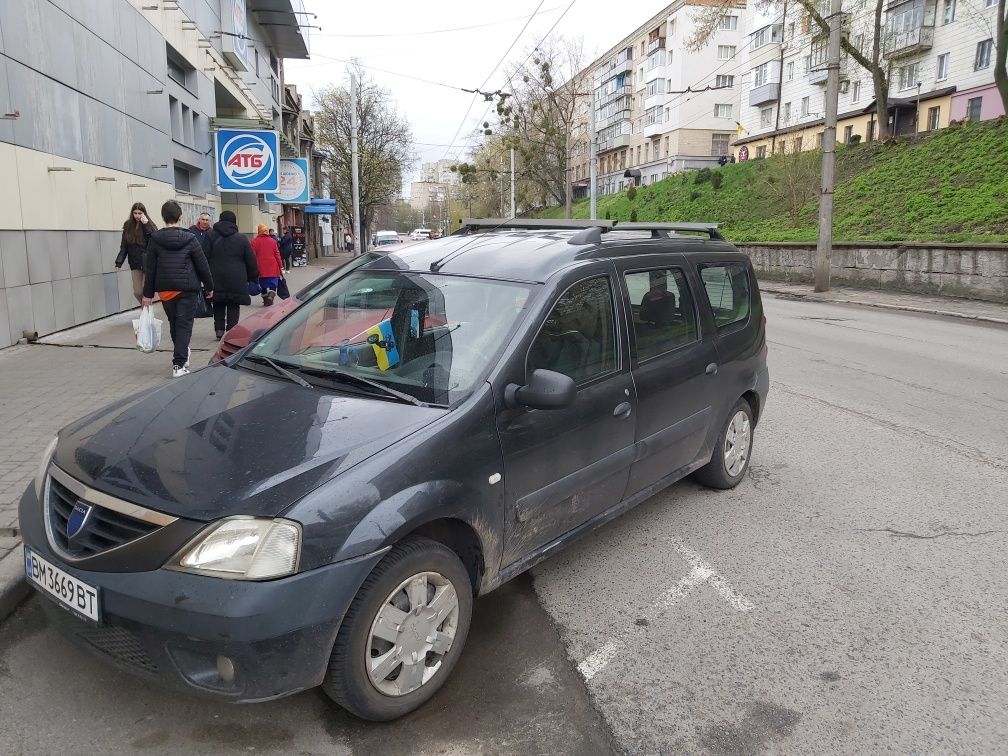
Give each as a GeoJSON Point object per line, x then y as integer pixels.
{"type": "Point", "coordinates": [355, 183]}
{"type": "Point", "coordinates": [592, 159]}
{"type": "Point", "coordinates": [500, 175]}
{"type": "Point", "coordinates": [512, 184]}
{"type": "Point", "coordinates": [825, 245]}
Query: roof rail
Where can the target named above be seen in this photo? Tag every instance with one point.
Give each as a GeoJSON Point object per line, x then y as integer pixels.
{"type": "Point", "coordinates": [486, 224]}
{"type": "Point", "coordinates": [711, 229]}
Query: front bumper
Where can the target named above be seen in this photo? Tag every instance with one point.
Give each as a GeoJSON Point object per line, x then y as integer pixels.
{"type": "Point", "coordinates": [238, 640]}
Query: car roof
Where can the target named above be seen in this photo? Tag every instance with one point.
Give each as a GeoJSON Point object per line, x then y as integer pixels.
{"type": "Point", "coordinates": [534, 255]}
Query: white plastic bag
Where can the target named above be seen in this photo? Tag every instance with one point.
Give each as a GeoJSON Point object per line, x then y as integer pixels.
{"type": "Point", "coordinates": [148, 330]}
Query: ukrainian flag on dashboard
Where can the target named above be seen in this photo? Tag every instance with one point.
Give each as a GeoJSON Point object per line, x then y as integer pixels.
{"type": "Point", "coordinates": [385, 349]}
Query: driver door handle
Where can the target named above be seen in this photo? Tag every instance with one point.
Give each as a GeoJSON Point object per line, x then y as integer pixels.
{"type": "Point", "coordinates": [712, 369]}
{"type": "Point", "coordinates": [622, 410]}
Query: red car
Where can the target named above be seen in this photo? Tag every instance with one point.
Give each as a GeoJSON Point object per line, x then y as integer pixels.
{"type": "Point", "coordinates": [260, 321]}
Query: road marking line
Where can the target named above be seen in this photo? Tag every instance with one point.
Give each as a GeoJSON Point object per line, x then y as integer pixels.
{"type": "Point", "coordinates": [700, 573]}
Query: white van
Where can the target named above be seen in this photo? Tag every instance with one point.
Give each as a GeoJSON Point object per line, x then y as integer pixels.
{"type": "Point", "coordinates": [420, 233]}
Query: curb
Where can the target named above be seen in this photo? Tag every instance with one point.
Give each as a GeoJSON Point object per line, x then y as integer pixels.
{"type": "Point", "coordinates": [884, 306]}
{"type": "Point", "coordinates": [13, 587]}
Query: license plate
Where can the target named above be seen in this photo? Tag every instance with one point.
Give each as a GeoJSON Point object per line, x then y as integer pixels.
{"type": "Point", "coordinates": [75, 595]}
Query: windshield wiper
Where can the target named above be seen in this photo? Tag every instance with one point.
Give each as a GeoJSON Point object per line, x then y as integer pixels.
{"type": "Point", "coordinates": [351, 377]}
{"type": "Point", "coordinates": [281, 370]}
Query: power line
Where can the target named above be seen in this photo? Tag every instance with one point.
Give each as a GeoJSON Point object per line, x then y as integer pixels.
{"type": "Point", "coordinates": [393, 73]}
{"type": "Point", "coordinates": [490, 75]}
{"type": "Point", "coordinates": [437, 31]}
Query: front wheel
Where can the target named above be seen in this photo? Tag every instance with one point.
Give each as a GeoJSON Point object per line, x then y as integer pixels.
{"type": "Point", "coordinates": [731, 454]}
{"type": "Point", "coordinates": [403, 633]}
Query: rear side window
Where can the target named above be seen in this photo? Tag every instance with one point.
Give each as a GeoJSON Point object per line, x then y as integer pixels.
{"type": "Point", "coordinates": [663, 314]}
{"type": "Point", "coordinates": [578, 338]}
{"type": "Point", "coordinates": [727, 288]}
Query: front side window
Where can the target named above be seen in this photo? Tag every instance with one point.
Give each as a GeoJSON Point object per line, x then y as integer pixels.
{"type": "Point", "coordinates": [578, 337]}
{"type": "Point", "coordinates": [719, 144]}
{"type": "Point", "coordinates": [983, 54]}
{"type": "Point", "coordinates": [856, 92]}
{"type": "Point", "coordinates": [766, 118]}
{"type": "Point", "coordinates": [948, 11]}
{"type": "Point", "coordinates": [933, 118]}
{"type": "Point", "coordinates": [804, 106]}
{"type": "Point", "coordinates": [663, 314]}
{"type": "Point", "coordinates": [942, 67]}
{"type": "Point", "coordinates": [726, 52]}
{"type": "Point", "coordinates": [727, 288]}
{"type": "Point", "coordinates": [722, 110]}
{"type": "Point", "coordinates": [428, 336]}
{"type": "Point", "coordinates": [973, 108]}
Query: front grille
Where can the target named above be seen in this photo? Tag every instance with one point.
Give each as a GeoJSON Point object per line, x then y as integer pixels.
{"type": "Point", "coordinates": [118, 643]}
{"type": "Point", "coordinates": [103, 529]}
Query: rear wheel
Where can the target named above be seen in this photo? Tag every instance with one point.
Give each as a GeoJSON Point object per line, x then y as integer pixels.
{"type": "Point", "coordinates": [730, 461]}
{"type": "Point", "coordinates": [403, 633]}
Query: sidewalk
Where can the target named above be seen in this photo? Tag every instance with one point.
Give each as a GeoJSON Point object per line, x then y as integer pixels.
{"type": "Point", "coordinates": [953, 307]}
{"type": "Point", "coordinates": [45, 386]}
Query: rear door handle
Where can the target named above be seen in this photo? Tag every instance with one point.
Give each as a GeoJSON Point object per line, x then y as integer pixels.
{"type": "Point", "coordinates": [712, 369]}
{"type": "Point", "coordinates": [622, 410]}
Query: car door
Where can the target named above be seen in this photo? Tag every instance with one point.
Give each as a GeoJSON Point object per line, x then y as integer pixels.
{"type": "Point", "coordinates": [564, 466]}
{"type": "Point", "coordinates": [674, 364]}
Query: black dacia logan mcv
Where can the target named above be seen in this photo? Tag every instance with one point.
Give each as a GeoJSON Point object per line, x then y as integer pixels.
{"type": "Point", "coordinates": [321, 507]}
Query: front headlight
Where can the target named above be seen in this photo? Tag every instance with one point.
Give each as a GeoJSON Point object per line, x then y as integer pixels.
{"type": "Point", "coordinates": [243, 548]}
{"type": "Point", "coordinates": [40, 476]}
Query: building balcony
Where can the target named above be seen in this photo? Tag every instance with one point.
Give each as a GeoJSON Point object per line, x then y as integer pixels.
{"type": "Point", "coordinates": [614, 143]}
{"type": "Point", "coordinates": [653, 129]}
{"type": "Point", "coordinates": [613, 69]}
{"type": "Point", "coordinates": [653, 101]}
{"type": "Point", "coordinates": [609, 120]}
{"type": "Point", "coordinates": [624, 91]}
{"type": "Point", "coordinates": [656, 44]}
{"type": "Point", "coordinates": [900, 44]}
{"type": "Point", "coordinates": [764, 93]}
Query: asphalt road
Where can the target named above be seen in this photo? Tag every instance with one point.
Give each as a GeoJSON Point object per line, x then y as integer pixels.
{"type": "Point", "coordinates": [849, 596]}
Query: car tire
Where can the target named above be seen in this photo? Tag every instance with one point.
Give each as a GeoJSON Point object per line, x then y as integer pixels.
{"type": "Point", "coordinates": [726, 470]}
{"type": "Point", "coordinates": [356, 677]}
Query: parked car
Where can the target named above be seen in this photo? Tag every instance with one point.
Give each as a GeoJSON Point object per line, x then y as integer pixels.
{"type": "Point", "coordinates": [420, 233]}
{"type": "Point", "coordinates": [321, 508]}
{"type": "Point", "coordinates": [261, 320]}
{"type": "Point", "coordinates": [386, 241]}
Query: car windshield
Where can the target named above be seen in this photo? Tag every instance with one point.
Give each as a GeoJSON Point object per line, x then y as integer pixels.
{"type": "Point", "coordinates": [429, 336]}
{"type": "Point", "coordinates": [386, 240]}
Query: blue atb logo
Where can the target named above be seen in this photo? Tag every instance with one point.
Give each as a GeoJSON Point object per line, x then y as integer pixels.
{"type": "Point", "coordinates": [247, 160]}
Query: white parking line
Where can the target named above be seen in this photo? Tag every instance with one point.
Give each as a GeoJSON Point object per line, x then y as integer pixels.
{"type": "Point", "coordinates": [700, 573]}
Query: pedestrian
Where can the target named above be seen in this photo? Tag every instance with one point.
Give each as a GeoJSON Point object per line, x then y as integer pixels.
{"type": "Point", "coordinates": [348, 241]}
{"type": "Point", "coordinates": [287, 248]}
{"type": "Point", "coordinates": [174, 268]}
{"type": "Point", "coordinates": [136, 231]}
{"type": "Point", "coordinates": [233, 266]}
{"type": "Point", "coordinates": [270, 265]}
{"type": "Point", "coordinates": [202, 232]}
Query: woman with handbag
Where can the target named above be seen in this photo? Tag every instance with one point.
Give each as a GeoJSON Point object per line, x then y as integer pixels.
{"type": "Point", "coordinates": [136, 232]}
{"type": "Point", "coordinates": [233, 265]}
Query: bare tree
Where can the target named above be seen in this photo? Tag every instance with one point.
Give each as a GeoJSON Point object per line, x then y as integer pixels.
{"type": "Point", "coordinates": [385, 147]}
{"type": "Point", "coordinates": [792, 179]}
{"type": "Point", "coordinates": [542, 119]}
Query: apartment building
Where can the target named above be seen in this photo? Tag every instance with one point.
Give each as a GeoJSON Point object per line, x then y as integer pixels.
{"type": "Point", "coordinates": [109, 102]}
{"type": "Point", "coordinates": [440, 172]}
{"type": "Point", "coordinates": [661, 108]}
{"type": "Point", "coordinates": [941, 54]}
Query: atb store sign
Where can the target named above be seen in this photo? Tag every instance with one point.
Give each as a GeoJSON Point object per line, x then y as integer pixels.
{"type": "Point", "coordinates": [235, 40]}
{"type": "Point", "coordinates": [293, 182]}
{"type": "Point", "coordinates": [247, 160]}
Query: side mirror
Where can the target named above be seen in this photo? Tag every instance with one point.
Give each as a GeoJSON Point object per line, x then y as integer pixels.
{"type": "Point", "coordinates": [545, 390]}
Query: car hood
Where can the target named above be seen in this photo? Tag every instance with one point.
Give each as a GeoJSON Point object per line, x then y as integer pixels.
{"type": "Point", "coordinates": [227, 441]}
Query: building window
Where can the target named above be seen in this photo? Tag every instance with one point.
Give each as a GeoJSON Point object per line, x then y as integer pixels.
{"type": "Point", "coordinates": [727, 52]}
{"type": "Point", "coordinates": [766, 35]}
{"type": "Point", "coordinates": [638, 154]}
{"type": "Point", "coordinates": [818, 140]}
{"type": "Point", "coordinates": [790, 70]}
{"type": "Point", "coordinates": [942, 67]}
{"type": "Point", "coordinates": [973, 106]}
{"type": "Point", "coordinates": [728, 23]}
{"type": "Point", "coordinates": [797, 144]}
{"type": "Point", "coordinates": [183, 181]}
{"type": "Point", "coordinates": [983, 54]}
{"type": "Point", "coordinates": [175, 115]}
{"type": "Point", "coordinates": [808, 63]}
{"type": "Point", "coordinates": [948, 11]}
{"type": "Point", "coordinates": [761, 151]}
{"type": "Point", "coordinates": [909, 75]}
{"type": "Point", "coordinates": [760, 75]}
{"type": "Point", "coordinates": [934, 114]}
{"type": "Point", "coordinates": [990, 3]}
{"type": "Point", "coordinates": [719, 144]}
{"type": "Point", "coordinates": [724, 81]}
{"type": "Point", "coordinates": [804, 106]}
{"type": "Point", "coordinates": [722, 110]}
{"type": "Point", "coordinates": [766, 118]}
{"type": "Point", "coordinates": [666, 147]}
{"type": "Point", "coordinates": [847, 133]}
{"type": "Point", "coordinates": [790, 30]}
{"type": "Point", "coordinates": [179, 70]}
{"type": "Point", "coordinates": [787, 112]}
{"type": "Point", "coordinates": [856, 92]}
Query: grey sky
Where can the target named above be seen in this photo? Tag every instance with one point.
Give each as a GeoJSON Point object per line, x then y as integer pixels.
{"type": "Point", "coordinates": [461, 58]}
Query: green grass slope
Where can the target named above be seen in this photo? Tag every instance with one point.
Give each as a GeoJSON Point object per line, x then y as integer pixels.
{"type": "Point", "coordinates": [950, 185]}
